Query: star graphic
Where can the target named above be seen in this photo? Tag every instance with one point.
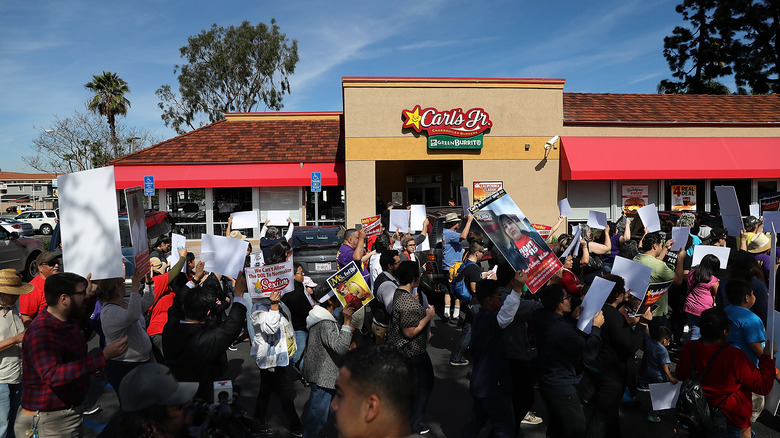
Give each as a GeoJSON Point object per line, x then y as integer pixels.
{"type": "Point", "coordinates": [413, 118]}
{"type": "Point", "coordinates": [258, 286]}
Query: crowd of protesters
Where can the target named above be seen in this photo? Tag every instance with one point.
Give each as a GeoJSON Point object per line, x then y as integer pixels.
{"type": "Point", "coordinates": [165, 344]}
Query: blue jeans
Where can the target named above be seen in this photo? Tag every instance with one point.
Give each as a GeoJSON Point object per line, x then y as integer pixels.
{"type": "Point", "coordinates": [723, 427]}
{"type": "Point", "coordinates": [693, 324]}
{"type": "Point", "coordinates": [465, 335]}
{"type": "Point", "coordinates": [319, 409]}
{"type": "Point", "coordinates": [300, 346]}
{"type": "Point", "coordinates": [499, 410]}
{"type": "Point", "coordinates": [10, 398]}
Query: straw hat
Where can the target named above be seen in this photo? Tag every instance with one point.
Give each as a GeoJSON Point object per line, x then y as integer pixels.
{"type": "Point", "coordinates": [451, 217]}
{"type": "Point", "coordinates": [759, 244]}
{"type": "Point", "coordinates": [235, 234]}
{"type": "Point", "coordinates": [11, 283]}
{"type": "Point", "coordinates": [158, 265]}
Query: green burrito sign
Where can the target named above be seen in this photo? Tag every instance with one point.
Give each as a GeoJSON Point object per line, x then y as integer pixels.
{"type": "Point", "coordinates": [452, 129]}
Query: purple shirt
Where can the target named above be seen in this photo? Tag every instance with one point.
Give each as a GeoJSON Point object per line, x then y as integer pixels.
{"type": "Point", "coordinates": [345, 257]}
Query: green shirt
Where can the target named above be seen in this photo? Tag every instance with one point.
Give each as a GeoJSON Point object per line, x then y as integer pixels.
{"type": "Point", "coordinates": [660, 273]}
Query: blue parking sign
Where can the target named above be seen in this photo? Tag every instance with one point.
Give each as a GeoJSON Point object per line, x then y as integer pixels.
{"type": "Point", "coordinates": [316, 182]}
{"type": "Point", "coordinates": [148, 186]}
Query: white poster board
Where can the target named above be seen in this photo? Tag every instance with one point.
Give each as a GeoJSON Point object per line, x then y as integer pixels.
{"type": "Point", "coordinates": [89, 223]}
{"type": "Point", "coordinates": [464, 200]}
{"type": "Point", "coordinates": [635, 274]}
{"type": "Point", "coordinates": [733, 225]}
{"type": "Point", "coordinates": [575, 243]}
{"type": "Point", "coordinates": [594, 300]}
{"type": "Point", "coordinates": [278, 217]}
{"type": "Point", "coordinates": [417, 216]}
{"type": "Point", "coordinates": [223, 255]}
{"type": "Point", "coordinates": [772, 401]}
{"type": "Point", "coordinates": [721, 252]}
{"type": "Point", "coordinates": [727, 200]}
{"type": "Point", "coordinates": [597, 220]}
{"type": "Point", "coordinates": [664, 395]}
{"type": "Point", "coordinates": [177, 242]}
{"type": "Point", "coordinates": [771, 218]}
{"type": "Point", "coordinates": [755, 211]}
{"type": "Point", "coordinates": [399, 220]}
{"type": "Point", "coordinates": [246, 219]}
{"type": "Point", "coordinates": [680, 237]}
{"type": "Point", "coordinates": [649, 216]}
{"type": "Point", "coordinates": [564, 207]}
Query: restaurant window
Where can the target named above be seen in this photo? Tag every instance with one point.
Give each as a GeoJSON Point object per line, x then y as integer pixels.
{"type": "Point", "coordinates": [330, 204]}
{"type": "Point", "coordinates": [188, 211]}
{"type": "Point", "coordinates": [684, 195]}
{"type": "Point", "coordinates": [588, 195]}
{"type": "Point", "coordinates": [741, 186]}
{"type": "Point", "coordinates": [231, 200]}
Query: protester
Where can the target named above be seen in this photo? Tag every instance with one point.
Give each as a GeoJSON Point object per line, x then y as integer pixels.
{"type": "Point", "coordinates": [269, 236]}
{"type": "Point", "coordinates": [702, 288]}
{"type": "Point", "coordinates": [194, 350]}
{"type": "Point", "coordinates": [377, 382]}
{"type": "Point", "coordinates": [615, 241]}
{"type": "Point", "coordinates": [353, 249]}
{"type": "Point", "coordinates": [272, 346]}
{"type": "Point", "coordinates": [491, 377]}
{"type": "Point", "coordinates": [470, 273]}
{"type": "Point", "coordinates": [384, 291]}
{"type": "Point", "coordinates": [452, 253]}
{"type": "Point", "coordinates": [120, 319]}
{"type": "Point", "coordinates": [154, 404]}
{"type": "Point", "coordinates": [518, 347]}
{"type": "Point", "coordinates": [163, 299]}
{"type": "Point", "coordinates": [55, 362]}
{"type": "Point", "coordinates": [11, 335]}
{"type": "Point", "coordinates": [743, 266]}
{"type": "Point", "coordinates": [561, 351]}
{"type": "Point", "coordinates": [300, 304]}
{"type": "Point", "coordinates": [327, 345]}
{"type": "Point", "coordinates": [408, 331]}
{"type": "Point", "coordinates": [732, 376]}
{"type": "Point", "coordinates": [35, 302]}
{"type": "Point", "coordinates": [653, 251]}
{"type": "Point", "coordinates": [655, 366]}
{"type": "Point", "coordinates": [689, 220]}
{"type": "Point", "coordinates": [620, 340]}
{"type": "Point", "coordinates": [161, 248]}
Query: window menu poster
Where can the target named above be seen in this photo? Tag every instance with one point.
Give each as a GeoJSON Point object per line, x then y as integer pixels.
{"type": "Point", "coordinates": [683, 197]}
{"type": "Point", "coordinates": [634, 197]}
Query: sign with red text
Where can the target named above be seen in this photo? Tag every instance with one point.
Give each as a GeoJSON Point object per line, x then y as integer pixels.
{"type": "Point", "coordinates": [263, 280]}
{"type": "Point", "coordinates": [371, 225]}
{"type": "Point", "coordinates": [483, 189]}
{"type": "Point", "coordinates": [449, 129]}
{"type": "Point", "coordinates": [350, 287]}
{"type": "Point", "coordinates": [683, 197]}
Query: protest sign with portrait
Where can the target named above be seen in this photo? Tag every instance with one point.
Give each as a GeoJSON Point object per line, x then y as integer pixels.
{"type": "Point", "coordinates": [516, 238]}
{"type": "Point", "coordinates": [350, 287]}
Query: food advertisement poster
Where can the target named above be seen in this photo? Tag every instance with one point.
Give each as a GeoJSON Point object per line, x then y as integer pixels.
{"type": "Point", "coordinates": [263, 280]}
{"type": "Point", "coordinates": [371, 225]}
{"type": "Point", "coordinates": [634, 198]}
{"type": "Point", "coordinates": [483, 189]}
{"type": "Point", "coordinates": [516, 238]}
{"type": "Point", "coordinates": [350, 287]}
{"type": "Point", "coordinates": [683, 197]}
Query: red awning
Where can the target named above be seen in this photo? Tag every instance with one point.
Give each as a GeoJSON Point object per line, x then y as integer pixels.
{"type": "Point", "coordinates": [229, 175]}
{"type": "Point", "coordinates": [598, 158]}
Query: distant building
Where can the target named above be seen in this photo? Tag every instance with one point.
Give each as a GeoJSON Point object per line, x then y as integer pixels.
{"type": "Point", "coordinates": [36, 189]}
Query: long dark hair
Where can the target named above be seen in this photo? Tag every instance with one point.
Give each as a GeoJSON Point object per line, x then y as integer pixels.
{"type": "Point", "coordinates": [707, 268]}
{"type": "Point", "coordinates": [278, 253]}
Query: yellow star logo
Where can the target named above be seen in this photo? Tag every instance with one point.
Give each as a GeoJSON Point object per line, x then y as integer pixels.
{"type": "Point", "coordinates": [258, 286]}
{"type": "Point", "coordinates": [413, 118]}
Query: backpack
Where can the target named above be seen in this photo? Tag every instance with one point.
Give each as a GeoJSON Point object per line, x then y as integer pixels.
{"type": "Point", "coordinates": [692, 409]}
{"type": "Point", "coordinates": [459, 288]}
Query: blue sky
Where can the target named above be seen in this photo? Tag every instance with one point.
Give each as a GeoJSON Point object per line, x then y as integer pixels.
{"type": "Point", "coordinates": [50, 49]}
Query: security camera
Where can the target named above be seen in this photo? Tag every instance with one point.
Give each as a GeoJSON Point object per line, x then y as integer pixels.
{"type": "Point", "coordinates": [550, 143]}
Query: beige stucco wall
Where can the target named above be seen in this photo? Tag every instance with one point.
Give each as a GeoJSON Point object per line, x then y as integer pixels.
{"type": "Point", "coordinates": [360, 190]}
{"type": "Point", "coordinates": [708, 131]}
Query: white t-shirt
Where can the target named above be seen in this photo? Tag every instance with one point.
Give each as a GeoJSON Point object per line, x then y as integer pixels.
{"type": "Point", "coordinates": [11, 358]}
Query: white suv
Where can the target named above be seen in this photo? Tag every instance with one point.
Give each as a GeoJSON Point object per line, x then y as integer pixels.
{"type": "Point", "coordinates": [42, 220]}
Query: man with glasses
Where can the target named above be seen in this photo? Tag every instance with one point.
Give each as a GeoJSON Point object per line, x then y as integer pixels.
{"type": "Point", "coordinates": [384, 289]}
{"type": "Point", "coordinates": [33, 303]}
{"type": "Point", "coordinates": [55, 362]}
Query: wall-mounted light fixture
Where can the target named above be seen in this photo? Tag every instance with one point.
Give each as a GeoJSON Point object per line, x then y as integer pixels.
{"type": "Point", "coordinates": [527, 146]}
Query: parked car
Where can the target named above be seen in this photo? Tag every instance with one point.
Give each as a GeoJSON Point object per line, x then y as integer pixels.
{"type": "Point", "coordinates": [18, 208]}
{"type": "Point", "coordinates": [15, 226]}
{"type": "Point", "coordinates": [158, 223]}
{"type": "Point", "coordinates": [41, 220]}
{"type": "Point", "coordinates": [19, 253]}
{"type": "Point", "coordinates": [315, 248]}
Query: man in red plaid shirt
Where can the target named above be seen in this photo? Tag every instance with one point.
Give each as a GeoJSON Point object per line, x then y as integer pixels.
{"type": "Point", "coordinates": [55, 362]}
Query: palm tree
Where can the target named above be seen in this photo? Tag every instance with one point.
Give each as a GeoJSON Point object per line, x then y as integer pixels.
{"type": "Point", "coordinates": [109, 100]}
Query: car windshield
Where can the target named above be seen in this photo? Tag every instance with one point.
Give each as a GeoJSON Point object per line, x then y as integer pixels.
{"type": "Point", "coordinates": [312, 237]}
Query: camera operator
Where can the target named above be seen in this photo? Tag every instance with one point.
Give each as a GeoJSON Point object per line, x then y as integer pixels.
{"type": "Point", "coordinates": [197, 351]}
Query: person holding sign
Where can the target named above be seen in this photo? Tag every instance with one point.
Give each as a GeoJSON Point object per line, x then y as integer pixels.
{"type": "Point", "coordinates": [269, 236]}
{"type": "Point", "coordinates": [353, 249]}
{"type": "Point", "coordinates": [732, 376]}
{"type": "Point", "coordinates": [561, 352]}
{"type": "Point", "coordinates": [653, 251]}
{"type": "Point", "coordinates": [452, 253]}
{"type": "Point", "coordinates": [702, 288]}
{"type": "Point", "coordinates": [408, 331]}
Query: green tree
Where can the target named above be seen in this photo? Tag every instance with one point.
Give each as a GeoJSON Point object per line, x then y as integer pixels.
{"type": "Point", "coordinates": [698, 56]}
{"type": "Point", "coordinates": [757, 70]}
{"type": "Point", "coordinates": [109, 100]}
{"type": "Point", "coordinates": [232, 69]}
